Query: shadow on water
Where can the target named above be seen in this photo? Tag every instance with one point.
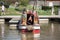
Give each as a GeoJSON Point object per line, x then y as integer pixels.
{"type": "Point", "coordinates": [49, 31]}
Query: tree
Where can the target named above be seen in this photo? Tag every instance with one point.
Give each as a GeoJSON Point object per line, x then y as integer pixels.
{"type": "Point", "coordinates": [8, 2]}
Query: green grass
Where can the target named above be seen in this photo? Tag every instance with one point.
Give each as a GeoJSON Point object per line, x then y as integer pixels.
{"type": "Point", "coordinates": [42, 12]}
{"type": "Point", "coordinates": [12, 11]}
{"type": "Point", "coordinates": [18, 11]}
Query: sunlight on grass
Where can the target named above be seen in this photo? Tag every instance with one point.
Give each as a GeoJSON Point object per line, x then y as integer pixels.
{"type": "Point", "coordinates": [12, 11]}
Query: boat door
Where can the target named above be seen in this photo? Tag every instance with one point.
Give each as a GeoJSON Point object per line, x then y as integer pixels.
{"type": "Point", "coordinates": [30, 19]}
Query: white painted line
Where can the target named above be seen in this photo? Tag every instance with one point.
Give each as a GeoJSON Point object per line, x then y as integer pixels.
{"type": "Point", "coordinates": [36, 27]}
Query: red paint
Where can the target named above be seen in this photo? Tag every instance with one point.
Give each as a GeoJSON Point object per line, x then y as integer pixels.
{"type": "Point", "coordinates": [36, 31]}
{"type": "Point", "coordinates": [23, 30]}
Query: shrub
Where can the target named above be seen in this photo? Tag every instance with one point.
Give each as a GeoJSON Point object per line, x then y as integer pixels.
{"type": "Point", "coordinates": [6, 5]}
{"type": "Point", "coordinates": [56, 9]}
{"type": "Point", "coordinates": [46, 8]}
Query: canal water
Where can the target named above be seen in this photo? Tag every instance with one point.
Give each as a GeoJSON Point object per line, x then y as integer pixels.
{"type": "Point", "coordinates": [48, 31]}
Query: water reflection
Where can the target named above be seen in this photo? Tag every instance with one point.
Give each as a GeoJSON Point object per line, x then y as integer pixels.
{"type": "Point", "coordinates": [52, 27]}
{"type": "Point", "coordinates": [49, 31]}
{"type": "Point", "coordinates": [30, 36]}
{"type": "Point", "coordinates": [2, 30]}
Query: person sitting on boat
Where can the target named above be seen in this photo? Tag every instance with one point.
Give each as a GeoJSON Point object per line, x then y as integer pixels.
{"type": "Point", "coordinates": [30, 18]}
{"type": "Point", "coordinates": [35, 17]}
{"type": "Point", "coordinates": [24, 16]}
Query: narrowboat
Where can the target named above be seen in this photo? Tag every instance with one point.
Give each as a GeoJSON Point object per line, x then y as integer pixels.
{"type": "Point", "coordinates": [29, 21]}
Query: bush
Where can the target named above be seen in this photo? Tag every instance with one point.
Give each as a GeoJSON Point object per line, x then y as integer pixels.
{"type": "Point", "coordinates": [56, 9]}
{"type": "Point", "coordinates": [46, 8]}
{"type": "Point", "coordinates": [6, 5]}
